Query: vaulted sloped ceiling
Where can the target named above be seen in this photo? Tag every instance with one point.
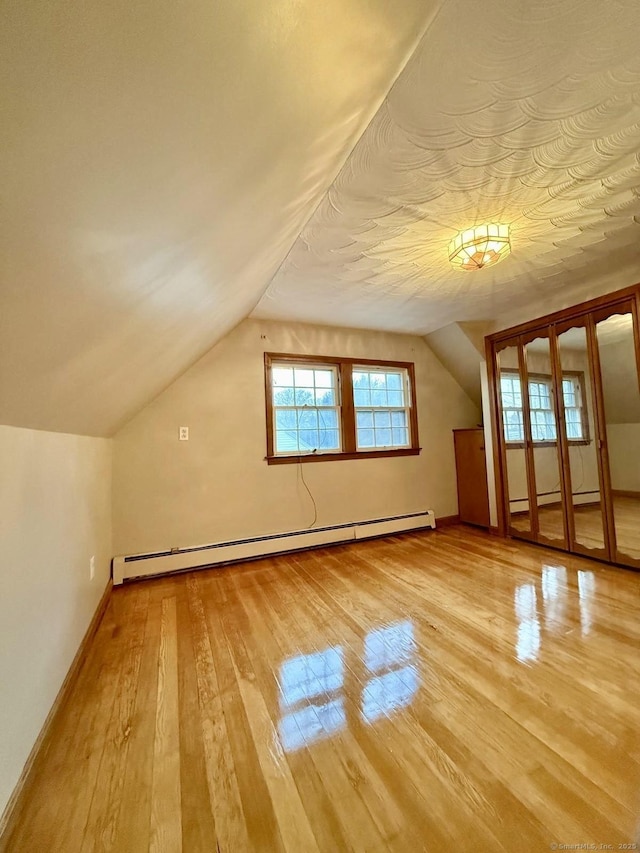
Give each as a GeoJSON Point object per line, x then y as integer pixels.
{"type": "Point", "coordinates": [511, 111]}
{"type": "Point", "coordinates": [159, 159]}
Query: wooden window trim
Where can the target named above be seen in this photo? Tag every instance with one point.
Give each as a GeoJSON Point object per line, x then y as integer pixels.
{"type": "Point", "coordinates": [584, 416]}
{"type": "Point", "coordinates": [347, 408]}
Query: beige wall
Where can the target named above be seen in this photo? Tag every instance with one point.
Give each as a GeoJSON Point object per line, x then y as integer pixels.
{"type": "Point", "coordinates": [217, 485]}
{"type": "Point", "coordinates": [54, 515]}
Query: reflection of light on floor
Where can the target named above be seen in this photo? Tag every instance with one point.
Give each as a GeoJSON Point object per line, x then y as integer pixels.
{"type": "Point", "coordinates": [312, 701]}
{"type": "Point", "coordinates": [586, 589]}
{"type": "Point", "coordinates": [303, 679]}
{"type": "Point", "coordinates": [311, 723]}
{"type": "Point", "coordinates": [554, 594]}
{"type": "Point", "coordinates": [389, 652]}
{"type": "Point", "coordinates": [306, 676]}
{"type": "Point", "coordinates": [390, 692]}
{"type": "Point", "coordinates": [528, 642]}
{"type": "Point", "coordinates": [389, 646]}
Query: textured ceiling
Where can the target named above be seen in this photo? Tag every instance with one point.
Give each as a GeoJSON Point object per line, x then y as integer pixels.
{"type": "Point", "coordinates": [520, 112]}
{"type": "Point", "coordinates": [159, 160]}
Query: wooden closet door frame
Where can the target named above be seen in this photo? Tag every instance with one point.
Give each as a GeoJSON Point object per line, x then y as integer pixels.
{"type": "Point", "coordinates": [528, 441]}
{"type": "Point", "coordinates": [583, 322]}
{"type": "Point", "coordinates": [492, 351]}
{"type": "Point", "coordinates": [556, 391]}
{"type": "Point", "coordinates": [629, 306]}
{"type": "Point", "coordinates": [499, 444]}
{"type": "Point", "coordinates": [507, 337]}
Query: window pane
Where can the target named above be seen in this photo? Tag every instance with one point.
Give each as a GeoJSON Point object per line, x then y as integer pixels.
{"type": "Point", "coordinates": [329, 439]}
{"type": "Point", "coordinates": [324, 378]}
{"type": "Point", "coordinates": [284, 397]}
{"type": "Point", "coordinates": [364, 419]}
{"type": "Point", "coordinates": [399, 419]}
{"type": "Point", "coordinates": [325, 397]}
{"type": "Point", "coordinates": [383, 437]}
{"type": "Point", "coordinates": [305, 396]}
{"type": "Point", "coordinates": [308, 419]}
{"type": "Point", "coordinates": [303, 377]}
{"type": "Point", "coordinates": [513, 425]}
{"type": "Point", "coordinates": [287, 442]}
{"type": "Point", "coordinates": [286, 419]}
{"type": "Point", "coordinates": [327, 419]}
{"type": "Point", "coordinates": [378, 397]}
{"type": "Point", "coordinates": [395, 398]}
{"type": "Point", "coordinates": [394, 381]}
{"type": "Point", "coordinates": [381, 419]}
{"type": "Point", "coordinates": [282, 376]}
{"type": "Point", "coordinates": [400, 436]}
{"type": "Point", "coordinates": [361, 397]}
{"type": "Point", "coordinates": [308, 439]}
{"type": "Point", "coordinates": [366, 438]}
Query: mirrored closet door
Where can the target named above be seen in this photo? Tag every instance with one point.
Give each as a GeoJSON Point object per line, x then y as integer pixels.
{"type": "Point", "coordinates": [617, 354]}
{"type": "Point", "coordinates": [567, 416]}
{"type": "Point", "coordinates": [542, 442]}
{"type": "Point", "coordinates": [580, 441]}
{"type": "Point", "coordinates": [514, 455]}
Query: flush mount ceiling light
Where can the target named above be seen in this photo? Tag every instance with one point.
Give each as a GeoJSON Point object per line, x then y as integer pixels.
{"type": "Point", "coordinates": [480, 247]}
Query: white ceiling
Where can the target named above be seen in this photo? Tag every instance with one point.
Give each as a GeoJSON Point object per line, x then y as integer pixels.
{"type": "Point", "coordinates": [159, 160]}
{"type": "Point", "coordinates": [511, 111]}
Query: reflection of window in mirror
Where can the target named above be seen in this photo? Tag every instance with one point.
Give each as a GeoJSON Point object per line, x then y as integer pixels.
{"type": "Point", "coordinates": [543, 422]}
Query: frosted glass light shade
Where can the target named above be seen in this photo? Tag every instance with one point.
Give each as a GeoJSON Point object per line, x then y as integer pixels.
{"type": "Point", "coordinates": [480, 247]}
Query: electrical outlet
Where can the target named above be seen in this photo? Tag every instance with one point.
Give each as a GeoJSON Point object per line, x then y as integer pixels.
{"type": "Point", "coordinates": [184, 433]}
{"type": "Point", "coordinates": [92, 568]}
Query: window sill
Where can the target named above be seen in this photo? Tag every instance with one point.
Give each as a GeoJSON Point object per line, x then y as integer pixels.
{"type": "Point", "coordinates": [331, 457]}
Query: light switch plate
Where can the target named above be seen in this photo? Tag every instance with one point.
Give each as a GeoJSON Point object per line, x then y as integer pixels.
{"type": "Point", "coordinates": [184, 433]}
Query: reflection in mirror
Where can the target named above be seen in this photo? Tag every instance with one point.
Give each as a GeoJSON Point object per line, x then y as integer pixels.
{"type": "Point", "coordinates": [513, 432]}
{"type": "Point", "coordinates": [546, 459]}
{"type": "Point", "coordinates": [622, 417]}
{"type": "Point", "coordinates": [588, 511]}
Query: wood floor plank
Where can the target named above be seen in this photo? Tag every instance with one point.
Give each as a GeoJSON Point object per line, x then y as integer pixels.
{"type": "Point", "coordinates": [436, 691]}
{"type": "Point", "coordinates": [133, 829]}
{"type": "Point", "coordinates": [166, 812]}
{"type": "Point", "coordinates": [223, 791]}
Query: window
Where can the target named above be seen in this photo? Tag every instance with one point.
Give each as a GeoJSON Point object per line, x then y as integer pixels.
{"type": "Point", "coordinates": [381, 401]}
{"type": "Point", "coordinates": [574, 411]}
{"type": "Point", "coordinates": [321, 408]}
{"type": "Point", "coordinates": [543, 421]}
{"type": "Point", "coordinates": [305, 408]}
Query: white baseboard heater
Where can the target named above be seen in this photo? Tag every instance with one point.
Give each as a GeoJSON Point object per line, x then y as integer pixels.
{"type": "Point", "coordinates": [202, 556]}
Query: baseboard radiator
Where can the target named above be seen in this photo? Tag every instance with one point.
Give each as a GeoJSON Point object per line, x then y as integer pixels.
{"type": "Point", "coordinates": [181, 559]}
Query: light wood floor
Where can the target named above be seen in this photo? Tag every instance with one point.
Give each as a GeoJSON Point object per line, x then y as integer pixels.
{"type": "Point", "coordinates": [445, 691]}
